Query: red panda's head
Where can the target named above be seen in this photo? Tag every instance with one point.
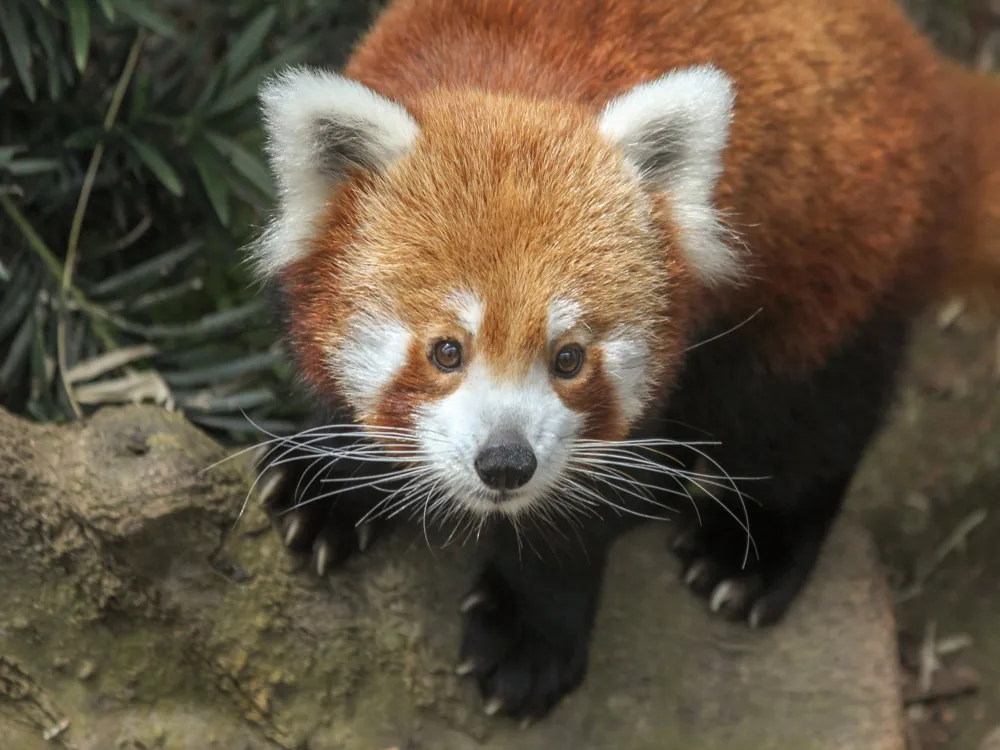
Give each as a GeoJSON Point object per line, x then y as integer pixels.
{"type": "Point", "coordinates": [496, 277]}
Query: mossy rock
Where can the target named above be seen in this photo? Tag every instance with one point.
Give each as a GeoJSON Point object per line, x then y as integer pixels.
{"type": "Point", "coordinates": [136, 611]}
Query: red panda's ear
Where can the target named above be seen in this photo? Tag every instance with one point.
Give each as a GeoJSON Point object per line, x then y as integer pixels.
{"type": "Point", "coordinates": [318, 125]}
{"type": "Point", "coordinates": [673, 131]}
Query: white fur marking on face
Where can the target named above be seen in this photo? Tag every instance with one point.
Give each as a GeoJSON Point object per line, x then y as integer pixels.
{"type": "Point", "coordinates": [673, 131]}
{"type": "Point", "coordinates": [318, 124]}
{"type": "Point", "coordinates": [469, 309]}
{"type": "Point", "coordinates": [369, 358]}
{"type": "Point", "coordinates": [563, 315]}
{"type": "Point", "coordinates": [626, 361]}
{"type": "Point", "coordinates": [455, 428]}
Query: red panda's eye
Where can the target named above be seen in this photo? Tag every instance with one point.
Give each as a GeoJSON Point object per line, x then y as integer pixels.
{"type": "Point", "coordinates": [447, 355]}
{"type": "Point", "coordinates": [568, 361]}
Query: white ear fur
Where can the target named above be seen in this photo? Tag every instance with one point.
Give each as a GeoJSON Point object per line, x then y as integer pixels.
{"type": "Point", "coordinates": [318, 125]}
{"type": "Point", "coordinates": [673, 131]}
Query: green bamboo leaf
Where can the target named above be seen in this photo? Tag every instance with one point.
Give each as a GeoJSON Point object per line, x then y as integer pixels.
{"type": "Point", "coordinates": [242, 425]}
{"type": "Point", "coordinates": [107, 9]}
{"type": "Point", "coordinates": [4, 273]}
{"type": "Point", "coordinates": [214, 183]}
{"type": "Point", "coordinates": [7, 154]}
{"type": "Point", "coordinates": [213, 324]}
{"type": "Point", "coordinates": [208, 91]}
{"type": "Point", "coordinates": [164, 295]}
{"type": "Point", "coordinates": [143, 14]}
{"type": "Point", "coordinates": [158, 165]}
{"type": "Point", "coordinates": [79, 29]}
{"type": "Point", "coordinates": [53, 52]}
{"type": "Point", "coordinates": [243, 161]}
{"type": "Point", "coordinates": [24, 167]}
{"type": "Point", "coordinates": [18, 45]}
{"type": "Point", "coordinates": [155, 267]}
{"type": "Point", "coordinates": [4, 85]}
{"type": "Point", "coordinates": [248, 43]}
{"type": "Point", "coordinates": [245, 89]}
{"type": "Point", "coordinates": [88, 138]}
{"type": "Point", "coordinates": [171, 69]}
{"type": "Point", "coordinates": [252, 364]}
{"type": "Point", "coordinates": [206, 401]}
{"type": "Point", "coordinates": [199, 354]}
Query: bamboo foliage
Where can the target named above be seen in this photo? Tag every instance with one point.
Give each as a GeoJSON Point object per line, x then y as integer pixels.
{"type": "Point", "coordinates": [131, 175]}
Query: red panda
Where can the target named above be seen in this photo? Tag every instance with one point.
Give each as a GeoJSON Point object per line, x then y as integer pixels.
{"type": "Point", "coordinates": [527, 249]}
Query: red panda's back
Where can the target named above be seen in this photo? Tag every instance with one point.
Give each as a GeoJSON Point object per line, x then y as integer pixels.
{"type": "Point", "coordinates": [847, 155]}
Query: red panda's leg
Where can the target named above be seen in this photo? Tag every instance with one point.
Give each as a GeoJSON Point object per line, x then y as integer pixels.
{"type": "Point", "coordinates": [528, 619]}
{"type": "Point", "coordinates": [759, 587]}
{"type": "Point", "coordinates": [802, 438]}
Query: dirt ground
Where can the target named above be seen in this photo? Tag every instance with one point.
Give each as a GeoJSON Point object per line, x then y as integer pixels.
{"type": "Point", "coordinates": [928, 489]}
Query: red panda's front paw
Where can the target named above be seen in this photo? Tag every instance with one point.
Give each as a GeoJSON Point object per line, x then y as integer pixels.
{"type": "Point", "coordinates": [522, 671]}
{"type": "Point", "coordinates": [326, 532]}
{"type": "Point", "coordinates": [757, 586]}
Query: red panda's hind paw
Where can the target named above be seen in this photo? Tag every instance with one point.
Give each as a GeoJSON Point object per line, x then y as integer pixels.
{"type": "Point", "coordinates": [522, 671]}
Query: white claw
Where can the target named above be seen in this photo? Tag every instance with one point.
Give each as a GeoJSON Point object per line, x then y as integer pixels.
{"type": "Point", "coordinates": [757, 614]}
{"type": "Point", "coordinates": [465, 668]}
{"type": "Point", "coordinates": [493, 706]}
{"type": "Point", "coordinates": [694, 571]}
{"type": "Point", "coordinates": [365, 535]}
{"type": "Point", "coordinates": [292, 530]}
{"type": "Point", "coordinates": [322, 557]}
{"type": "Point", "coordinates": [724, 592]}
{"type": "Point", "coordinates": [526, 723]}
{"type": "Point", "coordinates": [261, 453]}
{"type": "Point", "coordinates": [472, 600]}
{"type": "Point", "coordinates": [269, 485]}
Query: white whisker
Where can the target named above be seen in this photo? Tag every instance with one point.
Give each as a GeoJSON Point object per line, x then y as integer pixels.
{"type": "Point", "coordinates": [724, 333]}
{"type": "Point", "coordinates": [615, 455]}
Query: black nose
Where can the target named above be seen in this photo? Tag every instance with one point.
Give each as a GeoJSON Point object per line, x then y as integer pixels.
{"type": "Point", "coordinates": [506, 462]}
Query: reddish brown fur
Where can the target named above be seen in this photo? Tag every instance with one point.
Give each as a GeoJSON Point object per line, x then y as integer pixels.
{"type": "Point", "coordinates": [418, 381]}
{"type": "Point", "coordinates": [426, 232]}
{"type": "Point", "coordinates": [983, 272]}
{"type": "Point", "coordinates": [862, 169]}
{"type": "Point", "coordinates": [592, 393]}
{"type": "Point", "coordinates": [852, 168]}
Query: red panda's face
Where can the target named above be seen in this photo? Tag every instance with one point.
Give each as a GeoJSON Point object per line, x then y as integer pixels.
{"type": "Point", "coordinates": [494, 286]}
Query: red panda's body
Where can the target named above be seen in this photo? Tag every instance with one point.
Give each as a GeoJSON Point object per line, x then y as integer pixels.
{"type": "Point", "coordinates": [842, 180]}
{"type": "Point", "coordinates": [537, 212]}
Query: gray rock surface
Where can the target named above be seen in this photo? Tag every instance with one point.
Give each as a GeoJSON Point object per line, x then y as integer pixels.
{"type": "Point", "coordinates": [133, 615]}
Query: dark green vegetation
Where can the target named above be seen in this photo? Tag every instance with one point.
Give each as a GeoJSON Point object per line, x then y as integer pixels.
{"type": "Point", "coordinates": [130, 176]}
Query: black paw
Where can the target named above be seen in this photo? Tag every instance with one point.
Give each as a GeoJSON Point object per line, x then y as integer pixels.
{"type": "Point", "coordinates": [756, 584]}
{"type": "Point", "coordinates": [327, 532]}
{"type": "Point", "coordinates": [522, 671]}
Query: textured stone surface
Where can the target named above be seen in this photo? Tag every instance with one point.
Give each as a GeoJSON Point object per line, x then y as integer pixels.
{"type": "Point", "coordinates": [129, 610]}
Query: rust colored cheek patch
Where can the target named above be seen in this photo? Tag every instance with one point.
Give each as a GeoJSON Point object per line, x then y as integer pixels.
{"type": "Point", "coordinates": [593, 395]}
{"type": "Point", "coordinates": [418, 383]}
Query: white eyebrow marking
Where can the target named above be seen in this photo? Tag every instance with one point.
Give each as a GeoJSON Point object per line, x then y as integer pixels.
{"type": "Point", "coordinates": [370, 357]}
{"type": "Point", "coordinates": [626, 359]}
{"type": "Point", "coordinates": [563, 315]}
{"type": "Point", "coordinates": [469, 309]}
